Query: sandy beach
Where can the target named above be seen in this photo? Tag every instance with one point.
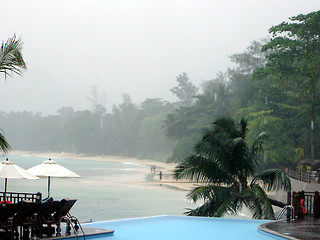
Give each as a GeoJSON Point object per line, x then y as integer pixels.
{"type": "Point", "coordinates": [166, 168]}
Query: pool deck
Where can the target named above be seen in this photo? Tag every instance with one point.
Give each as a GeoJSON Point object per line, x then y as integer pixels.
{"type": "Point", "coordinates": [87, 230]}
{"type": "Point", "coordinates": [307, 228]}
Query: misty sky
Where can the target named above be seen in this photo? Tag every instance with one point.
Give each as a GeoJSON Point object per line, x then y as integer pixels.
{"type": "Point", "coordinates": [137, 47]}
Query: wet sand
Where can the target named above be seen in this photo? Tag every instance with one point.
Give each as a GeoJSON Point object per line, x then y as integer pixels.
{"type": "Point", "coordinates": [166, 168]}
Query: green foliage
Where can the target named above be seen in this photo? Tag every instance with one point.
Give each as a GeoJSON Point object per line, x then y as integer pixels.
{"type": "Point", "coordinates": [293, 63]}
{"type": "Point", "coordinates": [11, 59]}
{"type": "Point", "coordinates": [182, 149]}
{"type": "Point", "coordinates": [185, 91]}
{"type": "Point", "coordinates": [4, 145]}
{"type": "Point", "coordinates": [223, 162]}
{"type": "Point", "coordinates": [185, 124]}
{"type": "Point", "coordinates": [129, 130]}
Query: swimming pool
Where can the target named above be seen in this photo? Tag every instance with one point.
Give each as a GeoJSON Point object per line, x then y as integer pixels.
{"type": "Point", "coordinates": [182, 227]}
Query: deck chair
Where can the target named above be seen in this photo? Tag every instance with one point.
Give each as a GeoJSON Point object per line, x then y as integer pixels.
{"type": "Point", "coordinates": [44, 219]}
{"type": "Point", "coordinates": [24, 218]}
{"type": "Point", "coordinates": [7, 229]}
{"type": "Point", "coordinates": [62, 215]}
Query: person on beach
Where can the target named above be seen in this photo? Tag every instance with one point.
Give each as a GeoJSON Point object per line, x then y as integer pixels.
{"type": "Point", "coordinates": [160, 175]}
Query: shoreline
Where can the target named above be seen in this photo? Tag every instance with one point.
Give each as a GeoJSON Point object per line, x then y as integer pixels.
{"type": "Point", "coordinates": [166, 168]}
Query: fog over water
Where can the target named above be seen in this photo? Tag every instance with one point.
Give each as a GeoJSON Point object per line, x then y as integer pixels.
{"type": "Point", "coordinates": [137, 47]}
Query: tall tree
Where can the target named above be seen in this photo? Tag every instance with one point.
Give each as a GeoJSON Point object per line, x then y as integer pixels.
{"type": "Point", "coordinates": [11, 61]}
{"type": "Point", "coordinates": [185, 91]}
{"type": "Point", "coordinates": [224, 162]}
{"type": "Point", "coordinates": [294, 60]}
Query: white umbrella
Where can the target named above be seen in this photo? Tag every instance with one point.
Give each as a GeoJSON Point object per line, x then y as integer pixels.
{"type": "Point", "coordinates": [49, 169]}
{"type": "Point", "coordinates": [10, 170]}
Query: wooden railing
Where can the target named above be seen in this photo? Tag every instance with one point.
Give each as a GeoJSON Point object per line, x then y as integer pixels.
{"type": "Point", "coordinates": [15, 197]}
{"type": "Point", "coordinates": [305, 176]}
{"type": "Point", "coordinates": [311, 203]}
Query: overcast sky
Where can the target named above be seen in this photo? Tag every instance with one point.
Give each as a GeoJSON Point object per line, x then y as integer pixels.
{"type": "Point", "coordinates": [137, 47]}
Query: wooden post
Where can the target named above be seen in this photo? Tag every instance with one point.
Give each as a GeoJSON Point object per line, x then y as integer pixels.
{"type": "Point", "coordinates": [299, 197]}
{"type": "Point", "coordinates": [289, 203]}
{"type": "Point", "coordinates": [316, 206]}
{"type": "Point", "coordinates": [38, 196]}
{"type": "Point", "coordinates": [295, 204]}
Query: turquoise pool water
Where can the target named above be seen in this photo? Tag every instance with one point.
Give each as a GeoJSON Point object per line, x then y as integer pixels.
{"type": "Point", "coordinates": [182, 228]}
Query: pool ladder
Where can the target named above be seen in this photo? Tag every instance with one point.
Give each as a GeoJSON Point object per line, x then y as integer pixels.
{"type": "Point", "coordinates": [284, 210]}
{"type": "Point", "coordinates": [69, 220]}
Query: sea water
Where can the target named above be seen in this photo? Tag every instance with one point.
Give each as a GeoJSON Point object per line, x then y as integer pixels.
{"type": "Point", "coordinates": [105, 191]}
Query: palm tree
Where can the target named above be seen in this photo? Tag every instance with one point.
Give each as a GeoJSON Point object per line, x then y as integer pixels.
{"type": "Point", "coordinates": [4, 145]}
{"type": "Point", "coordinates": [223, 163]}
{"type": "Point", "coordinates": [11, 61]}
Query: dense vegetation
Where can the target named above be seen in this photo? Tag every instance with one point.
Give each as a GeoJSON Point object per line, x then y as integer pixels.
{"type": "Point", "coordinates": [274, 84]}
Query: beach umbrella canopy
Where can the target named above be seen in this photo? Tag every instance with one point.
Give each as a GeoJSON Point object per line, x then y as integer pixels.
{"type": "Point", "coordinates": [10, 170]}
{"type": "Point", "coordinates": [50, 168]}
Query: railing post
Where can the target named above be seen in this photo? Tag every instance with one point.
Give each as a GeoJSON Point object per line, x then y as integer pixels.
{"type": "Point", "coordinates": [289, 203]}
{"type": "Point", "coordinates": [301, 196]}
{"type": "Point", "coordinates": [295, 204]}
{"type": "Point", "coordinates": [316, 205]}
{"type": "Point", "coordinates": [38, 196]}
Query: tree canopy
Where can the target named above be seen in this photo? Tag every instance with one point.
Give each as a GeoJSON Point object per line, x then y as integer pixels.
{"type": "Point", "coordinates": [293, 61]}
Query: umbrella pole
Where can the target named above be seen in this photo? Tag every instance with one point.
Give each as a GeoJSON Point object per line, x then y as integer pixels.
{"type": "Point", "coordinates": [48, 186]}
{"type": "Point", "coordinates": [5, 189]}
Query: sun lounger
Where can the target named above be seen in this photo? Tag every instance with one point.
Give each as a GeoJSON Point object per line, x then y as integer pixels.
{"type": "Point", "coordinates": [62, 215]}
{"type": "Point", "coordinates": [7, 229]}
{"type": "Point", "coordinates": [44, 219]}
{"type": "Point", "coordinates": [24, 218]}
{"type": "Point", "coordinates": [7, 211]}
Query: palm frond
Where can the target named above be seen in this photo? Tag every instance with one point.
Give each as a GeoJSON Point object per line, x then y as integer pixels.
{"type": "Point", "coordinates": [243, 128]}
{"type": "Point", "coordinates": [256, 199]}
{"type": "Point", "coordinates": [11, 59]}
{"type": "Point", "coordinates": [210, 192]}
{"type": "Point", "coordinates": [206, 210]}
{"type": "Point", "coordinates": [201, 169]}
{"type": "Point", "coordinates": [231, 204]}
{"type": "Point", "coordinates": [4, 145]}
{"type": "Point", "coordinates": [257, 144]}
{"type": "Point", "coordinates": [249, 199]}
{"type": "Point", "coordinates": [273, 179]}
{"type": "Point", "coordinates": [214, 197]}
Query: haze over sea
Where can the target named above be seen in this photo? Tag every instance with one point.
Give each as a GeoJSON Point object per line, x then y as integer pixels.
{"type": "Point", "coordinates": [106, 190]}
